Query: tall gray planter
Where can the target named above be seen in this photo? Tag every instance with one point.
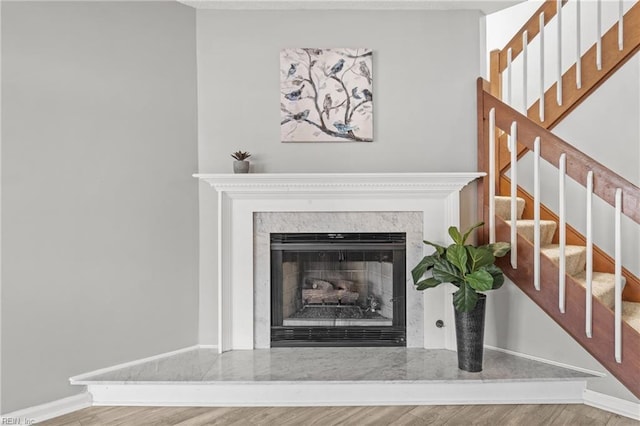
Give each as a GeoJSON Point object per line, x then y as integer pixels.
{"type": "Point", "coordinates": [470, 336]}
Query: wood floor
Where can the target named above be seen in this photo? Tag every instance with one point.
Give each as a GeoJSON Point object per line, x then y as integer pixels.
{"type": "Point", "coordinates": [521, 415]}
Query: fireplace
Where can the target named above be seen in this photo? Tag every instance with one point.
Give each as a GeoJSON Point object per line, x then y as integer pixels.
{"type": "Point", "coordinates": [235, 296]}
{"type": "Point", "coordinates": [338, 289]}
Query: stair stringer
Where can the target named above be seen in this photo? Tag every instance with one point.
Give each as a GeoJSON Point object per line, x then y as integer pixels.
{"type": "Point", "coordinates": [601, 345]}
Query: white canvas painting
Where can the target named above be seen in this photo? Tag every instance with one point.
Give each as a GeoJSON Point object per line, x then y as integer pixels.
{"type": "Point", "coordinates": [326, 95]}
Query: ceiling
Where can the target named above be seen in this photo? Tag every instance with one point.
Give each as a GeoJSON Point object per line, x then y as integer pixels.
{"type": "Point", "coordinates": [486, 7]}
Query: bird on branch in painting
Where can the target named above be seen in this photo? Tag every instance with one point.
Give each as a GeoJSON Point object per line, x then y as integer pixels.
{"type": "Point", "coordinates": [295, 95]}
{"type": "Point", "coordinates": [344, 128]}
{"type": "Point", "coordinates": [316, 52]}
{"type": "Point", "coordinates": [292, 70]}
{"type": "Point", "coordinates": [336, 68]}
{"type": "Point", "coordinates": [301, 115]}
{"type": "Point", "coordinates": [297, 117]}
{"type": "Point", "coordinates": [367, 95]}
{"type": "Point", "coordinates": [364, 70]}
{"type": "Point", "coordinates": [326, 105]}
{"type": "Point", "coordinates": [354, 93]}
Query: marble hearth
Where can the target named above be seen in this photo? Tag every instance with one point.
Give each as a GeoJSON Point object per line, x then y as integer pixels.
{"type": "Point", "coordinates": [252, 206]}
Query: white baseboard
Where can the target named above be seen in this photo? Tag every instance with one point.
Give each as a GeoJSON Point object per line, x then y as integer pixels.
{"type": "Point", "coordinates": [340, 394]}
{"type": "Point", "coordinates": [258, 394]}
{"type": "Point", "coordinates": [40, 413]}
{"type": "Point", "coordinates": [213, 347]}
{"type": "Point", "coordinates": [612, 404]}
{"type": "Point", "coordinates": [80, 377]}
{"type": "Point", "coordinates": [547, 361]}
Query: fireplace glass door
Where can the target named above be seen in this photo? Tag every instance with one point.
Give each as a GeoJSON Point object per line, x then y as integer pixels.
{"type": "Point", "coordinates": [340, 289]}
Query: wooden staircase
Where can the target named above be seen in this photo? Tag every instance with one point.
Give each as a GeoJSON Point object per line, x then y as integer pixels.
{"type": "Point", "coordinates": [606, 322]}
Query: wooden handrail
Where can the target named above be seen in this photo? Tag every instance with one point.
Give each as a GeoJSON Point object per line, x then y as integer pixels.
{"type": "Point", "coordinates": [532, 26]}
{"type": "Point", "coordinates": [578, 163]}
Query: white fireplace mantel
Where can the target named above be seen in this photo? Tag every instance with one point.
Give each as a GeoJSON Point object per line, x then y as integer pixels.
{"type": "Point", "coordinates": [344, 182]}
{"type": "Point", "coordinates": [240, 196]}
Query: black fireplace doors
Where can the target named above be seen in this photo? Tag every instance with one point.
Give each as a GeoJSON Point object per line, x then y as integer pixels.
{"type": "Point", "coordinates": [338, 289]}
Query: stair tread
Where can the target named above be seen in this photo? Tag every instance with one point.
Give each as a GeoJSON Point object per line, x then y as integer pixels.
{"type": "Point", "coordinates": [552, 250]}
{"type": "Point", "coordinates": [602, 285]}
{"type": "Point", "coordinates": [526, 228]}
{"type": "Point", "coordinates": [531, 222]}
{"type": "Point", "coordinates": [631, 314]}
{"type": "Point", "coordinates": [575, 257]}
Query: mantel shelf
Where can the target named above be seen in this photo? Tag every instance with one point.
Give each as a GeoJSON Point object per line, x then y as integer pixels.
{"type": "Point", "coordinates": [349, 182]}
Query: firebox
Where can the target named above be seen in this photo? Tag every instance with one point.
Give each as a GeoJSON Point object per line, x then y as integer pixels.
{"type": "Point", "coordinates": [338, 289]}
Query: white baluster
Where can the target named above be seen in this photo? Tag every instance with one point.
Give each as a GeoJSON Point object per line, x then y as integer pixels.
{"type": "Point", "coordinates": [620, 25]}
{"type": "Point", "coordinates": [492, 175]}
{"type": "Point", "coordinates": [589, 265]}
{"type": "Point", "coordinates": [536, 213]}
{"type": "Point", "coordinates": [514, 193]}
{"type": "Point", "coordinates": [509, 54]}
{"type": "Point", "coordinates": [562, 232]}
{"type": "Point", "coordinates": [599, 39]}
{"type": "Point", "coordinates": [525, 43]}
{"type": "Point", "coordinates": [578, 48]}
{"type": "Point", "coordinates": [541, 102]}
{"type": "Point", "coordinates": [618, 277]}
{"type": "Point", "coordinates": [559, 58]}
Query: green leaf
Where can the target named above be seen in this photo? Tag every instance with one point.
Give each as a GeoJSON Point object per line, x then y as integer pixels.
{"type": "Point", "coordinates": [470, 230]}
{"type": "Point", "coordinates": [440, 249]}
{"type": "Point", "coordinates": [496, 273]}
{"type": "Point", "coordinates": [465, 298]}
{"type": "Point", "coordinates": [455, 235]}
{"type": "Point", "coordinates": [428, 283]}
{"type": "Point", "coordinates": [498, 249]}
{"type": "Point", "coordinates": [480, 280]}
{"type": "Point", "coordinates": [479, 257]}
{"type": "Point", "coordinates": [458, 256]}
{"type": "Point", "coordinates": [425, 264]}
{"type": "Point", "coordinates": [444, 271]}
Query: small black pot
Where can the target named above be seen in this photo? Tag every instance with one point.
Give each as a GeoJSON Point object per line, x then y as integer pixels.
{"type": "Point", "coordinates": [470, 336]}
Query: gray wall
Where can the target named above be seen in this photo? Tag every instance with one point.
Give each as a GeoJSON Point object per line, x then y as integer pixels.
{"type": "Point", "coordinates": [99, 219]}
{"type": "Point", "coordinates": [425, 64]}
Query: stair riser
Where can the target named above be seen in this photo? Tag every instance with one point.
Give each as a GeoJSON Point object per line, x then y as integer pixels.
{"type": "Point", "coordinates": [602, 286]}
{"type": "Point", "coordinates": [631, 314]}
{"type": "Point", "coordinates": [503, 207]}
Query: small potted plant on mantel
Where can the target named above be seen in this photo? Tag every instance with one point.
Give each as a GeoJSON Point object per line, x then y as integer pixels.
{"type": "Point", "coordinates": [472, 269]}
{"type": "Point", "coordinates": [241, 165]}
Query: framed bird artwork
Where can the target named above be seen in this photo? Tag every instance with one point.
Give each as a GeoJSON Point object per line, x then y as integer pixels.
{"type": "Point", "coordinates": [326, 95]}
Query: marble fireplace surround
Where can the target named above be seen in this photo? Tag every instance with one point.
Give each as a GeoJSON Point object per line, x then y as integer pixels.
{"type": "Point", "coordinates": [266, 223]}
{"type": "Point", "coordinates": [250, 206]}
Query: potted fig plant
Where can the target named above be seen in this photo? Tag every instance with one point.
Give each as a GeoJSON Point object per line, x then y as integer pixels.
{"type": "Point", "coordinates": [241, 165]}
{"type": "Point", "coordinates": [473, 270]}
